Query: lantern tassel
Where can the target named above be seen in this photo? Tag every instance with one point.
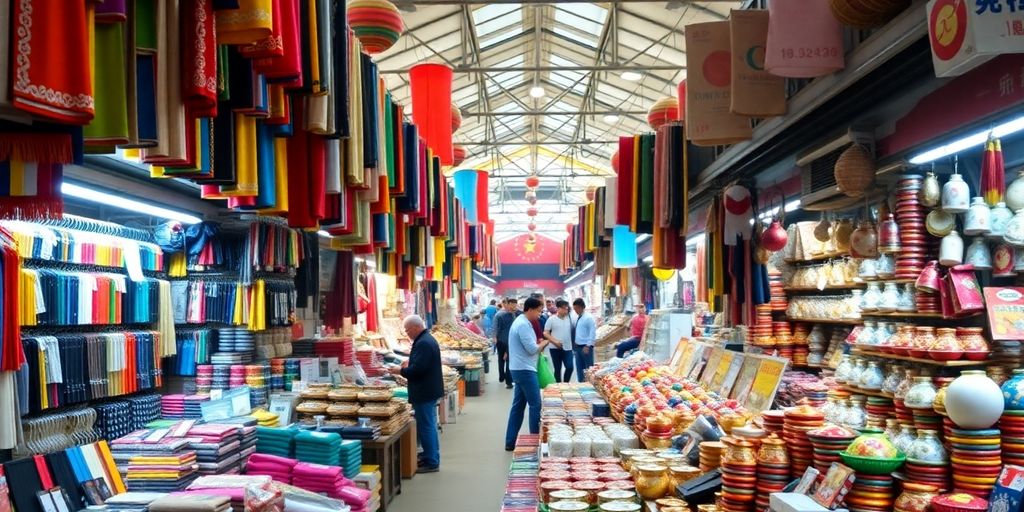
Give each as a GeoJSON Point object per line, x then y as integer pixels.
{"type": "Point", "coordinates": [1000, 172]}
{"type": "Point", "coordinates": [987, 172]}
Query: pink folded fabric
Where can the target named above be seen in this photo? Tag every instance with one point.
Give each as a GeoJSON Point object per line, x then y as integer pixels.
{"type": "Point", "coordinates": [306, 468]}
{"type": "Point", "coordinates": [272, 459]}
{"type": "Point", "coordinates": [354, 496]}
{"type": "Point", "coordinates": [234, 494]}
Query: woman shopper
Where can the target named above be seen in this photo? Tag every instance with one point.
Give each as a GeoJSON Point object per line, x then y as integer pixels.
{"type": "Point", "coordinates": [523, 352]}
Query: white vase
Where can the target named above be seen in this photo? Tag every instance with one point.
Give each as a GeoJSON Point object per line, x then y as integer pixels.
{"type": "Point", "coordinates": [1014, 195]}
{"type": "Point", "coordinates": [951, 252]}
{"type": "Point", "coordinates": [907, 302]}
{"type": "Point", "coordinates": [974, 401]}
{"type": "Point", "coordinates": [1015, 229]}
{"type": "Point", "coordinates": [956, 195]}
{"type": "Point", "coordinates": [999, 218]}
{"type": "Point", "coordinates": [872, 296]}
{"type": "Point", "coordinates": [890, 299]}
{"type": "Point", "coordinates": [978, 220]}
{"type": "Point", "coordinates": [978, 255]}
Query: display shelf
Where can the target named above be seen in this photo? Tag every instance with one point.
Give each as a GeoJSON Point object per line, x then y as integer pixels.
{"type": "Point", "coordinates": [819, 258]}
{"type": "Point", "coordinates": [858, 391]}
{"type": "Point", "coordinates": [848, 286]}
{"type": "Point", "coordinates": [922, 360]}
{"type": "Point", "coordinates": [832, 321]}
{"type": "Point", "coordinates": [892, 280]}
{"type": "Point", "coordinates": [901, 314]}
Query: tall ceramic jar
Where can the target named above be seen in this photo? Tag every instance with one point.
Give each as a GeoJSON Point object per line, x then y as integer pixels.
{"type": "Point", "coordinates": [1013, 391]}
{"type": "Point", "coordinates": [890, 298]}
{"type": "Point", "coordinates": [773, 452]}
{"type": "Point", "coordinates": [978, 219]}
{"type": "Point", "coordinates": [974, 401]}
{"type": "Point", "coordinates": [1000, 216]}
{"type": "Point", "coordinates": [843, 370]}
{"type": "Point", "coordinates": [871, 378]}
{"type": "Point", "coordinates": [904, 386]}
{"type": "Point", "coordinates": [956, 195]}
{"type": "Point", "coordinates": [864, 241]}
{"type": "Point", "coordinates": [978, 254]}
{"type": "Point", "coordinates": [951, 250]}
{"type": "Point", "coordinates": [652, 482]}
{"type": "Point", "coordinates": [906, 437]}
{"type": "Point", "coordinates": [907, 302]}
{"type": "Point", "coordinates": [1014, 196]}
{"type": "Point", "coordinates": [916, 497]}
{"type": "Point", "coordinates": [1015, 229]}
{"type": "Point", "coordinates": [893, 379]}
{"type": "Point", "coordinates": [872, 296]}
{"type": "Point", "coordinates": [858, 369]}
{"type": "Point", "coordinates": [921, 394]}
{"type": "Point", "coordinates": [888, 235]}
{"type": "Point", "coordinates": [928, 448]}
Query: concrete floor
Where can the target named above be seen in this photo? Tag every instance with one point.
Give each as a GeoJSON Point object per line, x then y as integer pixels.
{"type": "Point", "coordinates": [474, 464]}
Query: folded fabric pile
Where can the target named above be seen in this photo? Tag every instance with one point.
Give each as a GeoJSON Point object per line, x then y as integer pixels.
{"type": "Point", "coordinates": [166, 465]}
{"type": "Point", "coordinates": [172, 406]}
{"type": "Point", "coordinates": [357, 499]}
{"type": "Point", "coordinates": [266, 418]}
{"type": "Point", "coordinates": [194, 406]}
{"type": "Point", "coordinates": [231, 486]}
{"type": "Point", "coordinates": [370, 479]}
{"type": "Point", "coordinates": [217, 448]}
{"type": "Point", "coordinates": [145, 408]}
{"type": "Point", "coordinates": [132, 501]}
{"type": "Point", "coordinates": [351, 457]}
{"type": "Point", "coordinates": [278, 468]}
{"type": "Point", "coordinates": [249, 440]}
{"type": "Point", "coordinates": [275, 441]}
{"type": "Point", "coordinates": [188, 502]}
{"type": "Point", "coordinates": [319, 478]}
{"type": "Point", "coordinates": [318, 447]}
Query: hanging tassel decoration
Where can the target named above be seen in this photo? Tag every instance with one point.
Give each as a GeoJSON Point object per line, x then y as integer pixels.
{"type": "Point", "coordinates": [988, 164]}
{"type": "Point", "coordinates": [1000, 172]}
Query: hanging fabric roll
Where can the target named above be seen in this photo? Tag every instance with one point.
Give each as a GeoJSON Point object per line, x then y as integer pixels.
{"type": "Point", "coordinates": [171, 137]}
{"type": "Point", "coordinates": [143, 78]}
{"type": "Point", "coordinates": [251, 22]}
{"type": "Point", "coordinates": [271, 46]}
{"type": "Point", "coordinates": [286, 68]}
{"type": "Point", "coordinates": [199, 69]}
{"type": "Point", "coordinates": [431, 86]}
{"type": "Point", "coordinates": [246, 179]}
{"type": "Point", "coordinates": [109, 127]}
{"type": "Point", "coordinates": [340, 50]}
{"type": "Point", "coordinates": [266, 167]}
{"type": "Point", "coordinates": [625, 194]}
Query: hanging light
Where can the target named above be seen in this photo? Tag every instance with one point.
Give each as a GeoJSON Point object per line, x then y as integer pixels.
{"type": "Point", "coordinates": [631, 76]}
{"type": "Point", "coordinates": [532, 181]}
{"type": "Point", "coordinates": [531, 197]}
{"type": "Point", "coordinates": [376, 23]}
{"type": "Point", "coordinates": [531, 226]}
{"type": "Point", "coordinates": [537, 92]}
{"type": "Point", "coordinates": [610, 118]}
{"type": "Point", "coordinates": [531, 211]}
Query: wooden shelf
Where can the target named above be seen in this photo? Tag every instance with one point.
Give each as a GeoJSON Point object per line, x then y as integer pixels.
{"type": "Point", "coordinates": [901, 314]}
{"type": "Point", "coordinates": [868, 392]}
{"type": "Point", "coordinates": [823, 257]}
{"type": "Point", "coordinates": [892, 280]}
{"type": "Point", "coordinates": [921, 360]}
{"type": "Point", "coordinates": [833, 321]}
{"type": "Point", "coordinates": [851, 286]}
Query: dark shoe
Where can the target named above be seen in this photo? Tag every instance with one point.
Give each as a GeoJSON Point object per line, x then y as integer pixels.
{"type": "Point", "coordinates": [508, 386]}
{"type": "Point", "coordinates": [510, 448]}
{"type": "Point", "coordinates": [427, 469]}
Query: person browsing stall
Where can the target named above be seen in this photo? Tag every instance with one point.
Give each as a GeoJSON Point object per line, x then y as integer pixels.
{"type": "Point", "coordinates": [524, 350]}
{"type": "Point", "coordinates": [426, 387]}
{"type": "Point", "coordinates": [559, 327]}
{"type": "Point", "coordinates": [584, 334]}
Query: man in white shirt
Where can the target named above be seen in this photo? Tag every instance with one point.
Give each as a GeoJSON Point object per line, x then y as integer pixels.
{"type": "Point", "coordinates": [584, 334]}
{"type": "Point", "coordinates": [559, 327]}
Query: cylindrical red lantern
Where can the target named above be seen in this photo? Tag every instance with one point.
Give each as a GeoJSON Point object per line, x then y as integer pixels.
{"type": "Point", "coordinates": [591, 193]}
{"type": "Point", "coordinates": [376, 23]}
{"type": "Point", "coordinates": [531, 211]}
{"type": "Point", "coordinates": [459, 155]}
{"type": "Point", "coordinates": [532, 199]}
{"type": "Point", "coordinates": [456, 118]}
{"type": "Point", "coordinates": [531, 226]}
{"type": "Point", "coordinates": [615, 161]}
{"type": "Point", "coordinates": [663, 111]}
{"type": "Point", "coordinates": [483, 188]}
{"type": "Point", "coordinates": [532, 181]}
{"type": "Point", "coordinates": [431, 86]}
{"type": "Point", "coordinates": [682, 100]}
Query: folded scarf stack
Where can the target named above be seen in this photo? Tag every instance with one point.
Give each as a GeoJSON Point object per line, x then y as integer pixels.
{"type": "Point", "coordinates": [351, 457]}
{"type": "Point", "coordinates": [193, 406]}
{"type": "Point", "coordinates": [173, 406]}
{"type": "Point", "coordinates": [318, 447]}
{"type": "Point", "coordinates": [217, 448]}
{"type": "Point", "coordinates": [275, 441]}
{"type": "Point", "coordinates": [266, 418]}
{"type": "Point", "coordinates": [278, 468]}
{"type": "Point", "coordinates": [320, 479]}
{"type": "Point", "coordinates": [187, 502]}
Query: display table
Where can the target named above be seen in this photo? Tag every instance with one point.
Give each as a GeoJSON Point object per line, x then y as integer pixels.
{"type": "Point", "coordinates": [409, 452]}
{"type": "Point", "coordinates": [386, 452]}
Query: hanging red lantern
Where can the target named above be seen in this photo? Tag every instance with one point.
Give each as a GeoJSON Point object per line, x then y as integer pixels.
{"type": "Point", "coordinates": [591, 193]}
{"type": "Point", "coordinates": [663, 111]}
{"type": "Point", "coordinates": [531, 226]}
{"type": "Point", "coordinates": [459, 154]}
{"type": "Point", "coordinates": [456, 118]}
{"type": "Point", "coordinates": [532, 182]}
{"type": "Point", "coordinates": [532, 237]}
{"type": "Point", "coordinates": [431, 86]}
{"type": "Point", "coordinates": [532, 199]}
{"type": "Point", "coordinates": [531, 211]}
{"type": "Point", "coordinates": [615, 161]}
{"type": "Point", "coordinates": [376, 23]}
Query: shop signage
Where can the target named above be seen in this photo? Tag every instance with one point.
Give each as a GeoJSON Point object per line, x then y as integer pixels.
{"type": "Point", "coordinates": [1005, 307]}
{"type": "Point", "coordinates": [966, 33]}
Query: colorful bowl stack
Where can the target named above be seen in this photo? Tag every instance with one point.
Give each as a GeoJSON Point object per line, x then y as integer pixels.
{"type": "Point", "coordinates": [935, 472]}
{"type": "Point", "coordinates": [799, 421]}
{"type": "Point", "coordinates": [783, 339]}
{"type": "Point", "coordinates": [1012, 426]}
{"type": "Point", "coordinates": [204, 379]}
{"type": "Point", "coordinates": [771, 477]}
{"type": "Point", "coordinates": [913, 237]}
{"type": "Point", "coordinates": [761, 332]}
{"type": "Point", "coordinates": [828, 442]}
{"type": "Point", "coordinates": [739, 484]}
{"type": "Point", "coordinates": [871, 493]}
{"type": "Point", "coordinates": [977, 460]}
{"type": "Point", "coordinates": [710, 455]}
{"type": "Point", "coordinates": [778, 300]}
{"type": "Point", "coordinates": [237, 375]}
{"type": "Point", "coordinates": [774, 421]}
{"type": "Point", "coordinates": [800, 349]}
{"type": "Point", "coordinates": [878, 409]}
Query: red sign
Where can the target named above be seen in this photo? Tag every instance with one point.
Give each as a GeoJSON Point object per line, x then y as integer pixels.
{"type": "Point", "coordinates": [947, 23]}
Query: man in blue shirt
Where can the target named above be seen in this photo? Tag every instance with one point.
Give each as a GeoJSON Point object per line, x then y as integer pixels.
{"type": "Point", "coordinates": [584, 334]}
{"type": "Point", "coordinates": [523, 351]}
{"type": "Point", "coordinates": [489, 313]}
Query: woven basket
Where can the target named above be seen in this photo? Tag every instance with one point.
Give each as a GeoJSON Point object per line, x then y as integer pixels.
{"type": "Point", "coordinates": [867, 13]}
{"type": "Point", "coordinates": [855, 171]}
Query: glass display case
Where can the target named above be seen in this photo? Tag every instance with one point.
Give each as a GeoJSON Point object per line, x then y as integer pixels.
{"type": "Point", "coordinates": [665, 327]}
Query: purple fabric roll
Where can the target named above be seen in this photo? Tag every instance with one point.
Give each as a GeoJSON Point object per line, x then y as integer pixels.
{"type": "Point", "coordinates": [111, 11]}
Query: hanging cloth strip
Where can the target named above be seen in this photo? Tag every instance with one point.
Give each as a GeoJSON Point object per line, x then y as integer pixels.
{"type": "Point", "coordinates": [271, 46]}
{"type": "Point", "coordinates": [354, 146]}
{"type": "Point", "coordinates": [145, 72]}
{"type": "Point", "coordinates": [251, 22]}
{"type": "Point", "coordinates": [624, 209]}
{"type": "Point", "coordinates": [199, 69]}
{"type": "Point", "coordinates": [171, 136]}
{"type": "Point", "coordinates": [340, 67]}
{"type": "Point", "coordinates": [286, 68]}
{"type": "Point", "coordinates": [109, 127]}
{"type": "Point", "coordinates": [55, 89]}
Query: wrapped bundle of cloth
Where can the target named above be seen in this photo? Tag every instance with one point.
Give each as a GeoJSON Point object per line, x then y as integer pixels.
{"type": "Point", "coordinates": [318, 447]}
{"type": "Point", "coordinates": [370, 479]}
{"type": "Point", "coordinates": [132, 501]}
{"type": "Point", "coordinates": [351, 457]}
{"type": "Point", "coordinates": [193, 406]}
{"type": "Point", "coordinates": [232, 487]}
{"type": "Point", "coordinates": [191, 502]}
{"type": "Point", "coordinates": [275, 441]}
{"type": "Point", "coordinates": [320, 478]}
{"type": "Point", "coordinates": [278, 468]}
{"type": "Point", "coordinates": [265, 418]}
{"type": "Point", "coordinates": [173, 406]}
{"type": "Point", "coordinates": [217, 448]}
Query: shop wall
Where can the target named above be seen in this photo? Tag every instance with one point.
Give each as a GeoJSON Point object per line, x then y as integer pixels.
{"type": "Point", "coordinates": [528, 266]}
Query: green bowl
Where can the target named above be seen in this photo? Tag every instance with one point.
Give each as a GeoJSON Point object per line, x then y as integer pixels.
{"type": "Point", "coordinates": [873, 466]}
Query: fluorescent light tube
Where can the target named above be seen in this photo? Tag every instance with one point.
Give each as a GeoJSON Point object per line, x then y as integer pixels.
{"type": "Point", "coordinates": [80, 192]}
{"type": "Point", "coordinates": [968, 142]}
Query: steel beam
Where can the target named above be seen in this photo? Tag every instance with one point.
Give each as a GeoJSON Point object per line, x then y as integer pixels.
{"type": "Point", "coordinates": [543, 69]}
{"type": "Point", "coordinates": [531, 2]}
{"type": "Point", "coordinates": [484, 144]}
{"type": "Point", "coordinates": [537, 113]}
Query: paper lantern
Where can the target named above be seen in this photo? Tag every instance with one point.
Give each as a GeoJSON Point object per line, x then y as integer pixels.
{"type": "Point", "coordinates": [466, 183]}
{"type": "Point", "coordinates": [663, 111]}
{"type": "Point", "coordinates": [532, 182]}
{"type": "Point", "coordinates": [623, 247]}
{"type": "Point", "coordinates": [531, 211]}
{"type": "Point", "coordinates": [615, 161]}
{"type": "Point", "coordinates": [663, 274]}
{"type": "Point", "coordinates": [458, 155]}
{"type": "Point", "coordinates": [456, 118]}
{"type": "Point", "coordinates": [682, 99]}
{"type": "Point", "coordinates": [795, 27]}
{"type": "Point", "coordinates": [531, 226]}
{"type": "Point", "coordinates": [532, 237]}
{"type": "Point", "coordinates": [531, 198]}
{"type": "Point", "coordinates": [376, 23]}
{"type": "Point", "coordinates": [483, 199]}
{"type": "Point", "coordinates": [591, 193]}
{"type": "Point", "coordinates": [431, 86]}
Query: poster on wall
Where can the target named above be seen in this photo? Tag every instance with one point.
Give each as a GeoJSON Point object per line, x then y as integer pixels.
{"type": "Point", "coordinates": [1005, 307]}
{"type": "Point", "coordinates": [766, 383]}
{"type": "Point", "coordinates": [745, 379]}
{"type": "Point", "coordinates": [701, 356]}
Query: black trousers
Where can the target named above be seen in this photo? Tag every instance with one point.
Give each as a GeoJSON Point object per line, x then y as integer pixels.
{"type": "Point", "coordinates": [561, 358]}
{"type": "Point", "coordinates": [503, 373]}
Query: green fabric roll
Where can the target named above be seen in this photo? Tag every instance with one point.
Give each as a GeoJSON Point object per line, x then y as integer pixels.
{"type": "Point", "coordinates": [110, 125]}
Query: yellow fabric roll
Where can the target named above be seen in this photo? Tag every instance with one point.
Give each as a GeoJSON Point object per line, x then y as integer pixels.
{"type": "Point", "coordinates": [280, 177]}
{"type": "Point", "coordinates": [247, 183]}
{"type": "Point", "coordinates": [251, 22]}
{"type": "Point", "coordinates": [239, 294]}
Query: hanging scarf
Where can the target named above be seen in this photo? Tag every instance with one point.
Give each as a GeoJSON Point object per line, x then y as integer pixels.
{"type": "Point", "coordinates": [250, 23]}
{"type": "Point", "coordinates": [333, 182]}
{"type": "Point", "coordinates": [340, 42]}
{"type": "Point", "coordinates": [172, 140]}
{"type": "Point", "coordinates": [55, 89]}
{"type": "Point", "coordinates": [247, 182]}
{"type": "Point", "coordinates": [280, 106]}
{"type": "Point", "coordinates": [145, 73]}
{"type": "Point", "coordinates": [624, 209]}
{"type": "Point", "coordinates": [280, 177]}
{"type": "Point", "coordinates": [272, 46]}
{"type": "Point", "coordinates": [286, 68]}
{"type": "Point", "coordinates": [31, 190]}
{"type": "Point", "coordinates": [266, 166]}
{"type": "Point", "coordinates": [109, 127]}
{"type": "Point", "coordinates": [199, 69]}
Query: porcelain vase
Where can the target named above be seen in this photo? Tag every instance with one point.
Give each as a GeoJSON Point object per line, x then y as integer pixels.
{"type": "Point", "coordinates": [974, 401]}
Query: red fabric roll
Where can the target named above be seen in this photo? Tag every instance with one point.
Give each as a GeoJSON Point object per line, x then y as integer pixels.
{"type": "Point", "coordinates": [624, 198]}
{"type": "Point", "coordinates": [431, 86]}
{"type": "Point", "coordinates": [199, 58]}
{"type": "Point", "coordinates": [287, 66]}
{"type": "Point", "coordinates": [271, 47]}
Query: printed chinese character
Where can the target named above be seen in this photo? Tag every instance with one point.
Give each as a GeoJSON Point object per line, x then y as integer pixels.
{"type": "Point", "coordinates": [993, 6]}
{"type": "Point", "coordinates": [1005, 85]}
{"type": "Point", "coordinates": [1015, 5]}
{"type": "Point", "coordinates": [1018, 27]}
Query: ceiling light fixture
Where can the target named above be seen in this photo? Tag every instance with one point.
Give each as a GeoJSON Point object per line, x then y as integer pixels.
{"type": "Point", "coordinates": [610, 118]}
{"type": "Point", "coordinates": [631, 76]}
{"type": "Point", "coordinates": [968, 142]}
{"type": "Point", "coordinates": [537, 92]}
{"type": "Point", "coordinates": [96, 196]}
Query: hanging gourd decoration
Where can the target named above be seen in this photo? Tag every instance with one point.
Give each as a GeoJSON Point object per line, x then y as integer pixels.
{"type": "Point", "coordinates": [615, 161]}
{"type": "Point", "coordinates": [591, 193]}
{"type": "Point", "coordinates": [460, 155]}
{"type": "Point", "coordinates": [531, 211]}
{"type": "Point", "coordinates": [531, 226]}
{"type": "Point", "coordinates": [821, 231]}
{"type": "Point", "coordinates": [376, 23]}
{"type": "Point", "coordinates": [855, 171]}
{"type": "Point", "coordinates": [774, 237]}
{"type": "Point", "coordinates": [663, 274]}
{"type": "Point", "coordinates": [532, 181]}
{"type": "Point", "coordinates": [456, 118]}
{"type": "Point", "coordinates": [663, 111]}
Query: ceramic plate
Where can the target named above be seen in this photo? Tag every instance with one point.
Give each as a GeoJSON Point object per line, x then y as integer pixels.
{"type": "Point", "coordinates": [940, 223]}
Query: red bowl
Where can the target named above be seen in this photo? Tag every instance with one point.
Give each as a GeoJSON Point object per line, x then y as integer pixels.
{"type": "Point", "coordinates": [945, 355]}
{"type": "Point", "coordinates": [977, 355]}
{"type": "Point", "coordinates": [918, 353]}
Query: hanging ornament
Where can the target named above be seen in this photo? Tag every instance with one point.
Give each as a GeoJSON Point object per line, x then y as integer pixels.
{"type": "Point", "coordinates": [531, 198]}
{"type": "Point", "coordinates": [663, 274]}
{"type": "Point", "coordinates": [532, 238]}
{"type": "Point", "coordinates": [663, 111]}
{"type": "Point", "coordinates": [532, 182]}
{"type": "Point", "coordinates": [591, 193]}
{"type": "Point", "coordinates": [531, 211]}
{"type": "Point", "coordinates": [456, 118]}
{"type": "Point", "coordinates": [376, 23]}
{"type": "Point", "coordinates": [615, 161]}
{"type": "Point", "coordinates": [460, 155]}
{"type": "Point", "coordinates": [531, 226]}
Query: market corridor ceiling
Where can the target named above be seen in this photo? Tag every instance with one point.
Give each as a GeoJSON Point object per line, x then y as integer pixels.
{"type": "Point", "coordinates": [600, 65]}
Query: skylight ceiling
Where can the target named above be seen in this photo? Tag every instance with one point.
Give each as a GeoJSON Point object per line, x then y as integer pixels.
{"type": "Point", "coordinates": [500, 51]}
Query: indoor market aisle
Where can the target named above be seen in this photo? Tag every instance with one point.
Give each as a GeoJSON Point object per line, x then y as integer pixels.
{"type": "Point", "coordinates": [474, 464]}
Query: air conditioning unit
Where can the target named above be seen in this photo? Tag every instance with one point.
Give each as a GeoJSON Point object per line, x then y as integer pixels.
{"type": "Point", "coordinates": [818, 190]}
